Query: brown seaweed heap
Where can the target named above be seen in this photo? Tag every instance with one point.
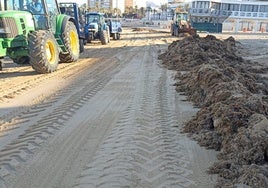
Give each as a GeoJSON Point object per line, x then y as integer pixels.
{"type": "Point", "coordinates": [232, 98]}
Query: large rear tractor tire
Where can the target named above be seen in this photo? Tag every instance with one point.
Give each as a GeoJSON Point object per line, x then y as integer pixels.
{"type": "Point", "coordinates": [21, 60]}
{"type": "Point", "coordinates": [71, 41]}
{"type": "Point", "coordinates": [43, 51]}
{"type": "Point", "coordinates": [104, 37]}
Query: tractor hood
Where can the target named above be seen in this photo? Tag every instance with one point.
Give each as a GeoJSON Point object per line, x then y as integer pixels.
{"type": "Point", "coordinates": [93, 26]}
{"type": "Point", "coordinates": [15, 23]}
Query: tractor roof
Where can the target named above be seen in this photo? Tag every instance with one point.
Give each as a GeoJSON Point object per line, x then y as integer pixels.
{"type": "Point", "coordinates": [94, 13]}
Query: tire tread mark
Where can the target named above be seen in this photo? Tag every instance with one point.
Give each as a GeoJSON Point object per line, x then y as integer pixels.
{"type": "Point", "coordinates": [143, 149]}
{"type": "Point", "coordinates": [38, 133]}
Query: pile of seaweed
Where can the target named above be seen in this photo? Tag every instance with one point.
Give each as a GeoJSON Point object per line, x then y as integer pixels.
{"type": "Point", "coordinates": [232, 98]}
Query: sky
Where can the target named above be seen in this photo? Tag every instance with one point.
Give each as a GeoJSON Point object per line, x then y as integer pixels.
{"type": "Point", "coordinates": [139, 3]}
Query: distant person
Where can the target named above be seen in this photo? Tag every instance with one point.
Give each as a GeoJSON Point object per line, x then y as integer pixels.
{"type": "Point", "coordinates": [35, 7]}
{"type": "Point", "coordinates": [95, 20]}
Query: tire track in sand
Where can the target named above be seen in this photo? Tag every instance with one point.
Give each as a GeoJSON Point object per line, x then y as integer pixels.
{"type": "Point", "coordinates": [144, 148]}
{"type": "Point", "coordinates": [60, 108]}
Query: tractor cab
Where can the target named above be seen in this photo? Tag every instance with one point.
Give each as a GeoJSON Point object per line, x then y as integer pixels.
{"type": "Point", "coordinates": [181, 19]}
{"type": "Point", "coordinates": [44, 11]}
{"type": "Point", "coordinates": [94, 21]}
{"type": "Point", "coordinates": [181, 16]}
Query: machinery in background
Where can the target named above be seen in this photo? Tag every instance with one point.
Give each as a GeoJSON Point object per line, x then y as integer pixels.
{"type": "Point", "coordinates": [181, 24]}
{"type": "Point", "coordinates": [96, 28]}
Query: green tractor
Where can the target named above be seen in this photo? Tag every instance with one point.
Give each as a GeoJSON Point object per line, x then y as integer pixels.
{"type": "Point", "coordinates": [37, 33]}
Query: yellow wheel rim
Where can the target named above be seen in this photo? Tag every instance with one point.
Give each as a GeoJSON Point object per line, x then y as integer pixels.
{"type": "Point", "coordinates": [73, 43]}
{"type": "Point", "coordinates": [50, 52]}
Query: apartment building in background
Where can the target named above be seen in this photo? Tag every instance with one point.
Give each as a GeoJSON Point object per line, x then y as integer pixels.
{"type": "Point", "coordinates": [99, 3]}
{"type": "Point", "coordinates": [107, 4]}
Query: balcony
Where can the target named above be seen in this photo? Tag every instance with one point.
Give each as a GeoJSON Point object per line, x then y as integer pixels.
{"type": "Point", "coordinates": [232, 14]}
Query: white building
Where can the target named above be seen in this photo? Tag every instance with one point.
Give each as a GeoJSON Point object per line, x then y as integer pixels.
{"type": "Point", "coordinates": [229, 15]}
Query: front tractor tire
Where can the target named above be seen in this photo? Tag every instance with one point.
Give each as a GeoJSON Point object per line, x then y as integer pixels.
{"type": "Point", "coordinates": [43, 51]}
{"type": "Point", "coordinates": [71, 41]}
{"type": "Point", "coordinates": [116, 36]}
{"type": "Point", "coordinates": [81, 45]}
{"type": "Point", "coordinates": [104, 37]}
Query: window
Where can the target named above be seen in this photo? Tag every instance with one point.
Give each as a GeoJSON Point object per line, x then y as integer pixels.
{"type": "Point", "coordinates": [215, 6]}
{"type": "Point", "coordinates": [233, 7]}
{"type": "Point", "coordinates": [193, 4]}
{"type": "Point", "coordinates": [224, 6]}
{"type": "Point", "coordinates": [264, 8]}
{"type": "Point", "coordinates": [255, 8]}
{"type": "Point", "coordinates": [243, 8]}
{"type": "Point", "coordinates": [202, 4]}
{"type": "Point", "coordinates": [53, 11]}
{"type": "Point", "coordinates": [249, 8]}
